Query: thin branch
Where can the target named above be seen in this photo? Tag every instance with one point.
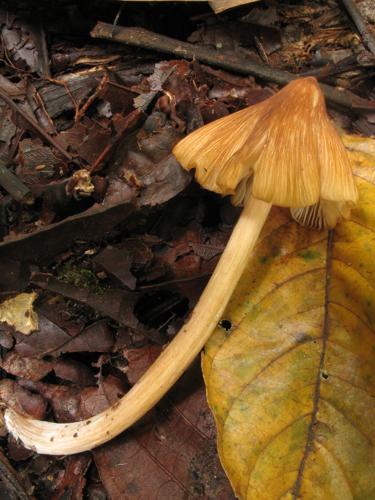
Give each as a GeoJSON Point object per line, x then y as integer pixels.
{"type": "Point", "coordinates": [145, 39]}
{"type": "Point", "coordinates": [14, 186]}
{"type": "Point", "coordinates": [80, 112]}
{"type": "Point", "coordinates": [367, 37]}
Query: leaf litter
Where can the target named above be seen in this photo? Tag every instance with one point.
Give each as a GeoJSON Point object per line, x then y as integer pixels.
{"type": "Point", "coordinates": [99, 220]}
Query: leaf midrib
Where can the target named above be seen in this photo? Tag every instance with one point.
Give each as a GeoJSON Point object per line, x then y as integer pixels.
{"type": "Point", "coordinates": [325, 334]}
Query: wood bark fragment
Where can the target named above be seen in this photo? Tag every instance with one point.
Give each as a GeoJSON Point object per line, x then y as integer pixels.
{"type": "Point", "coordinates": [62, 94]}
{"type": "Point", "coordinates": [10, 481]}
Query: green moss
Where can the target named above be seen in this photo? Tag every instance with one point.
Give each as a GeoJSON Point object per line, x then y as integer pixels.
{"type": "Point", "coordinates": [83, 278]}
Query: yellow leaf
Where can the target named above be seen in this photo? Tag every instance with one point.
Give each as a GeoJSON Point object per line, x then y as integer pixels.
{"type": "Point", "coordinates": [292, 382]}
{"type": "Point", "coordinates": [19, 313]}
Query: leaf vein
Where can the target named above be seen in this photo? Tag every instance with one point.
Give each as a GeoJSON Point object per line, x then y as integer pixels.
{"type": "Point", "coordinates": [340, 466]}
{"type": "Point", "coordinates": [325, 332]}
{"type": "Point", "coordinates": [270, 441]}
{"type": "Point", "coordinates": [338, 410]}
{"type": "Point", "coordinates": [355, 270]}
{"type": "Point", "coordinates": [353, 313]}
{"type": "Point", "coordinates": [353, 385]}
{"type": "Point", "coordinates": [262, 370]}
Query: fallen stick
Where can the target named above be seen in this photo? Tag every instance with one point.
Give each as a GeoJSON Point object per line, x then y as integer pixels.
{"type": "Point", "coordinates": [367, 37]}
{"type": "Point", "coordinates": [139, 37]}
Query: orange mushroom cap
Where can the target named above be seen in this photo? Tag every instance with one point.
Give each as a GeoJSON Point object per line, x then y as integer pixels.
{"type": "Point", "coordinates": [284, 151]}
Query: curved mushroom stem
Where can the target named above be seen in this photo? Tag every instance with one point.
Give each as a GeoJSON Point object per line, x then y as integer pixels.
{"type": "Point", "coordinates": [63, 439]}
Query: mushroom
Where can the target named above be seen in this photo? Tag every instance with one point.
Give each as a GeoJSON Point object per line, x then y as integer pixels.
{"type": "Point", "coordinates": [283, 151]}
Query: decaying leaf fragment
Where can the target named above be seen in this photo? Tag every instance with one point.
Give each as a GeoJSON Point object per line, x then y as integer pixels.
{"type": "Point", "coordinates": [292, 382]}
{"type": "Point", "coordinates": [19, 313]}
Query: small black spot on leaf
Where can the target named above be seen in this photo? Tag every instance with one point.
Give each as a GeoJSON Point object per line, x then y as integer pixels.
{"type": "Point", "coordinates": [226, 324]}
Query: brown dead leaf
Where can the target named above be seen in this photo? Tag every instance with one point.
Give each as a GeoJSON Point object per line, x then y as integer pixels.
{"type": "Point", "coordinates": [64, 400]}
{"type": "Point", "coordinates": [54, 333]}
{"type": "Point", "coordinates": [25, 367]}
{"type": "Point", "coordinates": [117, 304]}
{"type": "Point", "coordinates": [97, 337]}
{"type": "Point", "coordinates": [22, 400]}
{"type": "Point", "coordinates": [74, 371]}
{"type": "Point", "coordinates": [94, 400]}
{"type": "Point", "coordinates": [172, 453]}
{"type": "Point", "coordinates": [117, 262]}
{"type": "Point", "coordinates": [17, 253]}
{"type": "Point", "coordinates": [16, 451]}
{"type": "Point", "coordinates": [71, 481]}
{"type": "Point", "coordinates": [24, 42]}
{"type": "Point", "coordinates": [139, 360]}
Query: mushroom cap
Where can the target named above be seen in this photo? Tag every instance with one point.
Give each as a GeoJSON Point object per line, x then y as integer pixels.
{"type": "Point", "coordinates": [284, 149]}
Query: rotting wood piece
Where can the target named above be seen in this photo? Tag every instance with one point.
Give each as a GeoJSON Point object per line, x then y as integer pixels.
{"type": "Point", "coordinates": [59, 95]}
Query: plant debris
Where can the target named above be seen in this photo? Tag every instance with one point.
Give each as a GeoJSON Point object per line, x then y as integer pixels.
{"type": "Point", "coordinates": [105, 241]}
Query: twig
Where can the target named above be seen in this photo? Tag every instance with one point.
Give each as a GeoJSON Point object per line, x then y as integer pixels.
{"type": "Point", "coordinates": [11, 481]}
{"type": "Point", "coordinates": [14, 186]}
{"type": "Point", "coordinates": [145, 39]}
{"type": "Point", "coordinates": [119, 12]}
{"type": "Point", "coordinates": [99, 89]}
{"type": "Point", "coordinates": [262, 53]}
{"type": "Point", "coordinates": [35, 125]}
{"type": "Point", "coordinates": [131, 121]}
{"type": "Point", "coordinates": [366, 34]}
{"type": "Point", "coordinates": [330, 69]}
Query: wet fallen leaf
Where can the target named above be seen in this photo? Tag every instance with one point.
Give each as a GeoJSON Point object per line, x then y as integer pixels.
{"type": "Point", "coordinates": [290, 372]}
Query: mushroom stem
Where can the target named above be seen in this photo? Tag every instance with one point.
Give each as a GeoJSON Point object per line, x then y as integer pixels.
{"type": "Point", "coordinates": [64, 439]}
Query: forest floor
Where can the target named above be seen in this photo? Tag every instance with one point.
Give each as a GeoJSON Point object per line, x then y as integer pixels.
{"type": "Point", "coordinates": [112, 241]}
